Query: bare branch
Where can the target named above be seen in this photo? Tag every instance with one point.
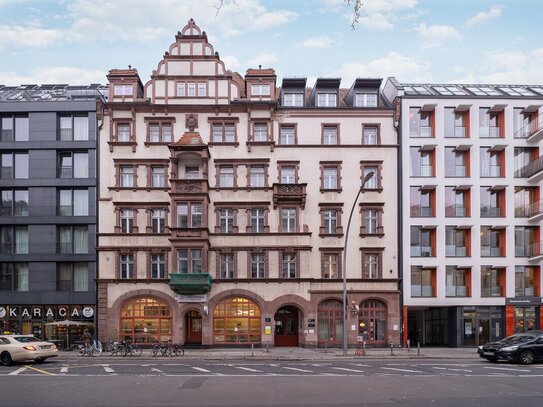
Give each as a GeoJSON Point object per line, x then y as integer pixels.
{"type": "Point", "coordinates": [357, 6]}
{"type": "Point", "coordinates": [221, 3]}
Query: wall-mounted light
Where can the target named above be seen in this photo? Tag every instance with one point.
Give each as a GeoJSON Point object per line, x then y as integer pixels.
{"type": "Point", "coordinates": [206, 310]}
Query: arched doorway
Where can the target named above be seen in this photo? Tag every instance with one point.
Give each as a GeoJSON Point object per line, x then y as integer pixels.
{"type": "Point", "coordinates": [372, 322]}
{"type": "Point", "coordinates": [286, 326]}
{"type": "Point", "coordinates": [330, 317]}
{"type": "Point", "coordinates": [236, 320]}
{"type": "Point", "coordinates": [193, 328]}
{"type": "Point", "coordinates": [146, 320]}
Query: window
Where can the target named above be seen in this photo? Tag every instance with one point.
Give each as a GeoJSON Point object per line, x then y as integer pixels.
{"type": "Point", "coordinates": [288, 265]}
{"type": "Point", "coordinates": [420, 123]}
{"type": "Point", "coordinates": [491, 162]}
{"type": "Point", "coordinates": [127, 220]}
{"type": "Point", "coordinates": [526, 244]}
{"type": "Point", "coordinates": [260, 133]}
{"type": "Point", "coordinates": [13, 276]}
{"type": "Point", "coordinates": [371, 265]}
{"type": "Point", "coordinates": [492, 242]}
{"type": "Point", "coordinates": [422, 162]}
{"type": "Point", "coordinates": [330, 177]}
{"type": "Point", "coordinates": [257, 220]}
{"type": "Point", "coordinates": [492, 202]}
{"type": "Point", "coordinates": [326, 99]}
{"type": "Point", "coordinates": [457, 202]}
{"type": "Point", "coordinates": [226, 220]}
{"type": "Point", "coordinates": [457, 241]}
{"type": "Point", "coordinates": [371, 183]}
{"type": "Point", "coordinates": [189, 215]}
{"type": "Point", "coordinates": [370, 136]}
{"type": "Point", "coordinates": [189, 261]}
{"type": "Point", "coordinates": [260, 90]}
{"type": "Point", "coordinates": [157, 220]}
{"type": "Point", "coordinates": [372, 221]}
{"type": "Point", "coordinates": [455, 123]}
{"type": "Point", "coordinates": [127, 176]}
{"type": "Point", "coordinates": [287, 174]}
{"type": "Point", "coordinates": [365, 100]}
{"type": "Point", "coordinates": [160, 132]}
{"type": "Point", "coordinates": [181, 89]}
{"type": "Point", "coordinates": [223, 132]}
{"type": "Point", "coordinates": [192, 172]}
{"type": "Point", "coordinates": [422, 282]}
{"type": "Point", "coordinates": [258, 265]}
{"type": "Point", "coordinates": [330, 135]}
{"type": "Point", "coordinates": [288, 220]}
{"type": "Point", "coordinates": [422, 242]}
{"type": "Point", "coordinates": [122, 90]}
{"type": "Point", "coordinates": [226, 266]}
{"type": "Point", "coordinates": [456, 162]}
{"type": "Point", "coordinates": [526, 281]}
{"type": "Point", "coordinates": [123, 132]}
{"type": "Point", "coordinates": [127, 269]}
{"type": "Point", "coordinates": [293, 99]}
{"type": "Point", "coordinates": [456, 284]}
{"type": "Point", "coordinates": [492, 282]}
{"type": "Point", "coordinates": [157, 177]}
{"type": "Point", "coordinates": [14, 202]}
{"type": "Point", "coordinates": [490, 123]}
{"type": "Point", "coordinates": [330, 221]}
{"type": "Point", "coordinates": [74, 128]}
{"type": "Point", "coordinates": [73, 202]}
{"type": "Point", "coordinates": [422, 202]}
{"type": "Point", "coordinates": [147, 312]}
{"type": "Point", "coordinates": [287, 135]}
{"type": "Point", "coordinates": [14, 126]}
{"type": "Point", "coordinates": [73, 277]}
{"type": "Point", "coordinates": [73, 165]}
{"type": "Point", "coordinates": [330, 265]}
{"type": "Point", "coordinates": [73, 239]}
{"type": "Point", "coordinates": [191, 89]}
{"type": "Point", "coordinates": [257, 176]}
{"type": "Point", "coordinates": [13, 165]}
{"type": "Point", "coordinates": [14, 240]}
{"type": "Point", "coordinates": [226, 176]}
{"type": "Point", "coordinates": [202, 89]}
{"type": "Point", "coordinates": [158, 266]}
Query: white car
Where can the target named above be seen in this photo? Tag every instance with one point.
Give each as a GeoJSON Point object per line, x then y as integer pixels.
{"type": "Point", "coordinates": [18, 348]}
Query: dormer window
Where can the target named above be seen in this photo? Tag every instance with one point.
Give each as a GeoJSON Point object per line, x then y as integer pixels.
{"type": "Point", "coordinates": [122, 90]}
{"type": "Point", "coordinates": [366, 100]}
{"type": "Point", "coordinates": [293, 99]}
{"type": "Point", "coordinates": [260, 90]}
{"type": "Point", "coordinates": [326, 99]}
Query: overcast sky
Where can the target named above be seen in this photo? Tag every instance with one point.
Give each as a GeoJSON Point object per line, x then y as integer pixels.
{"type": "Point", "coordinates": [464, 41]}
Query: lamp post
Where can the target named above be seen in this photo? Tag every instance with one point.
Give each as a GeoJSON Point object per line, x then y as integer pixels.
{"type": "Point", "coordinates": [345, 313]}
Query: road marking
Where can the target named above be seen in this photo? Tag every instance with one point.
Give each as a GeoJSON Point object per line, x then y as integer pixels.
{"type": "Point", "coordinates": [506, 368]}
{"type": "Point", "coordinates": [360, 364]}
{"type": "Point", "coordinates": [154, 369]}
{"type": "Point", "coordinates": [347, 370]}
{"type": "Point", "coordinates": [108, 369]}
{"type": "Point", "coordinates": [64, 369]}
{"type": "Point", "coordinates": [298, 370]}
{"type": "Point", "coordinates": [452, 370]}
{"type": "Point", "coordinates": [402, 370]}
{"type": "Point", "coordinates": [201, 369]}
{"type": "Point", "coordinates": [248, 369]}
{"type": "Point", "coordinates": [16, 372]}
{"type": "Point", "coordinates": [41, 371]}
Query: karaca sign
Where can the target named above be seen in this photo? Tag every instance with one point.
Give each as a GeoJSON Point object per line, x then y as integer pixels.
{"type": "Point", "coordinates": [39, 312]}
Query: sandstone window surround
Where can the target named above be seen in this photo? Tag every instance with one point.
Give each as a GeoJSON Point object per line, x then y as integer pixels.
{"type": "Point", "coordinates": [223, 131]}
{"type": "Point", "coordinates": [330, 176]}
{"type": "Point", "coordinates": [371, 134]}
{"type": "Point", "coordinates": [226, 219]}
{"type": "Point", "coordinates": [331, 214]}
{"type": "Point", "coordinates": [372, 263]}
{"type": "Point", "coordinates": [122, 132]}
{"type": "Point", "coordinates": [374, 183]}
{"type": "Point", "coordinates": [331, 263]}
{"type": "Point", "coordinates": [372, 219]}
{"type": "Point", "coordinates": [330, 134]}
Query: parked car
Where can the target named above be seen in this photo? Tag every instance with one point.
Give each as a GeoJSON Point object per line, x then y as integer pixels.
{"type": "Point", "coordinates": [19, 348]}
{"type": "Point", "coordinates": [524, 348]}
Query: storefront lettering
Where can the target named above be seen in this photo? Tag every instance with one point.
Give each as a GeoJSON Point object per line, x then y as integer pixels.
{"type": "Point", "coordinates": [62, 312]}
{"type": "Point", "coordinates": [13, 312]}
{"type": "Point", "coordinates": [25, 313]}
{"type": "Point", "coordinates": [75, 313]}
{"type": "Point", "coordinates": [36, 312]}
{"type": "Point", "coordinates": [49, 313]}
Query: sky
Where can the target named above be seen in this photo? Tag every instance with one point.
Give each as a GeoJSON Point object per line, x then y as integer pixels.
{"type": "Point", "coordinates": [433, 41]}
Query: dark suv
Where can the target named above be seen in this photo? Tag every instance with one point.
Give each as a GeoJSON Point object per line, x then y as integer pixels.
{"type": "Point", "coordinates": [524, 348]}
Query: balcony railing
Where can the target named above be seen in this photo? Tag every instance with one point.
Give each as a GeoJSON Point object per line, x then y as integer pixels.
{"type": "Point", "coordinates": [424, 171]}
{"type": "Point", "coordinates": [456, 291]}
{"type": "Point", "coordinates": [65, 210]}
{"type": "Point", "coordinates": [66, 134]}
{"type": "Point", "coordinates": [426, 132]}
{"type": "Point", "coordinates": [532, 168]}
{"type": "Point", "coordinates": [491, 212]}
{"type": "Point", "coordinates": [421, 211]}
{"type": "Point", "coordinates": [525, 292]}
{"type": "Point", "coordinates": [66, 172]}
{"type": "Point", "coordinates": [490, 132]}
{"type": "Point", "coordinates": [533, 209]}
{"type": "Point", "coordinates": [421, 251]}
{"type": "Point", "coordinates": [531, 129]}
{"type": "Point", "coordinates": [457, 132]}
{"type": "Point", "coordinates": [490, 251]}
{"type": "Point", "coordinates": [536, 249]}
{"type": "Point", "coordinates": [422, 291]}
{"type": "Point", "coordinates": [456, 251]}
{"type": "Point", "coordinates": [6, 135]}
{"type": "Point", "coordinates": [293, 194]}
{"type": "Point", "coordinates": [456, 211]}
{"type": "Point", "coordinates": [491, 171]}
{"type": "Point", "coordinates": [457, 171]}
{"type": "Point", "coordinates": [495, 291]}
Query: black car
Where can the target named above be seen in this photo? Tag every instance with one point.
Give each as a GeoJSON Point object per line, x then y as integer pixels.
{"type": "Point", "coordinates": [524, 348]}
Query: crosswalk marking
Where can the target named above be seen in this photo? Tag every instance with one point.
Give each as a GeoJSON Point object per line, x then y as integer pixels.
{"type": "Point", "coordinates": [154, 369]}
{"type": "Point", "coordinates": [248, 369]}
{"type": "Point", "coordinates": [16, 372]}
{"type": "Point", "coordinates": [108, 369]}
{"type": "Point", "coordinates": [401, 370]}
{"type": "Point", "coordinates": [348, 370]}
{"type": "Point", "coordinates": [506, 368]}
{"type": "Point", "coordinates": [201, 369]}
{"type": "Point", "coordinates": [298, 370]}
{"type": "Point", "coordinates": [64, 369]}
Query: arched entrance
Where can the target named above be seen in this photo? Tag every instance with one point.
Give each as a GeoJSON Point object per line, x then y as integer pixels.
{"type": "Point", "coordinates": [286, 326]}
{"type": "Point", "coordinates": [330, 317]}
{"type": "Point", "coordinates": [146, 320]}
{"type": "Point", "coordinates": [372, 322]}
{"type": "Point", "coordinates": [236, 320]}
{"type": "Point", "coordinates": [193, 328]}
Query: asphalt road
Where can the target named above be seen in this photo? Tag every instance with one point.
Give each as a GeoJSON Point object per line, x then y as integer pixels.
{"type": "Point", "coordinates": [178, 382]}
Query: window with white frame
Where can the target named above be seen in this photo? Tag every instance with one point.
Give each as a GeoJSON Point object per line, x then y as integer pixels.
{"type": "Point", "coordinates": [127, 266]}
{"type": "Point", "coordinates": [226, 176]}
{"type": "Point", "coordinates": [330, 177]}
{"type": "Point", "coordinates": [370, 136]}
{"type": "Point", "coordinates": [226, 220]}
{"type": "Point", "coordinates": [366, 100]}
{"type": "Point", "coordinates": [127, 220]}
{"type": "Point", "coordinates": [291, 99]}
{"type": "Point", "coordinates": [371, 220]}
{"type": "Point", "coordinates": [157, 177]}
{"type": "Point", "coordinates": [257, 220]}
{"type": "Point", "coordinates": [127, 176]}
{"type": "Point", "coordinates": [288, 265]}
{"type": "Point", "coordinates": [257, 176]}
{"type": "Point", "coordinates": [286, 135]}
{"type": "Point", "coordinates": [371, 265]}
{"type": "Point", "coordinates": [160, 132]}
{"type": "Point", "coordinates": [157, 220]}
{"type": "Point", "coordinates": [258, 265]}
{"type": "Point", "coordinates": [372, 182]}
{"type": "Point", "coordinates": [330, 265]}
{"type": "Point", "coordinates": [158, 266]}
{"type": "Point", "coordinates": [326, 99]}
{"type": "Point", "coordinates": [181, 89]}
{"type": "Point", "coordinates": [288, 220]}
{"type": "Point", "coordinates": [288, 174]}
{"type": "Point", "coordinates": [122, 90]}
{"type": "Point", "coordinates": [123, 132]}
{"type": "Point", "coordinates": [260, 90]}
{"type": "Point", "coordinates": [189, 215]}
{"type": "Point", "coordinates": [189, 261]}
{"type": "Point", "coordinates": [223, 132]}
{"type": "Point", "coordinates": [191, 89]}
{"type": "Point", "coordinates": [330, 221]}
{"type": "Point", "coordinates": [226, 265]}
{"type": "Point", "coordinates": [260, 133]}
{"type": "Point", "coordinates": [329, 135]}
{"type": "Point", "coordinates": [202, 89]}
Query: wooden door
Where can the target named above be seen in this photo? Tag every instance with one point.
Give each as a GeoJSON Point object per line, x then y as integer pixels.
{"type": "Point", "coordinates": [194, 328]}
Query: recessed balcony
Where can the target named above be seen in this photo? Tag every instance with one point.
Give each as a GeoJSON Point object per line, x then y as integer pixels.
{"type": "Point", "coordinates": [534, 211]}
{"type": "Point", "coordinates": [535, 131]}
{"type": "Point", "coordinates": [535, 252]}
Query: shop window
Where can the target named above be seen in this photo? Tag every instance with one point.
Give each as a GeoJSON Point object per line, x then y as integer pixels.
{"type": "Point", "coordinates": [372, 321]}
{"type": "Point", "coordinates": [236, 321]}
{"type": "Point", "coordinates": [146, 320]}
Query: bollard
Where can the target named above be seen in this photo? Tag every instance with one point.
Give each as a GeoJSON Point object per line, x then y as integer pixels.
{"type": "Point", "coordinates": [391, 349]}
{"type": "Point", "coordinates": [252, 349]}
{"type": "Point", "coordinates": [325, 347]}
{"type": "Point", "coordinates": [267, 347]}
{"type": "Point", "coordinates": [418, 348]}
{"type": "Point", "coordinates": [408, 345]}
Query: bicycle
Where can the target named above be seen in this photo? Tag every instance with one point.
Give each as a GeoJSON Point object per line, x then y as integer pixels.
{"type": "Point", "coordinates": [114, 348]}
{"type": "Point", "coordinates": [91, 350]}
{"type": "Point", "coordinates": [167, 349]}
{"type": "Point", "coordinates": [130, 349]}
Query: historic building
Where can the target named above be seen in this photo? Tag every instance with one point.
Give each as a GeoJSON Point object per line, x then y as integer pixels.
{"type": "Point", "coordinates": [471, 210]}
{"type": "Point", "coordinates": [48, 191]}
{"type": "Point", "coordinates": [224, 203]}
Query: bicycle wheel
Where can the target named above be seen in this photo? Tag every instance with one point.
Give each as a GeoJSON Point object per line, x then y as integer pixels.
{"type": "Point", "coordinates": [154, 351]}
{"type": "Point", "coordinates": [136, 351]}
{"type": "Point", "coordinates": [96, 351]}
{"type": "Point", "coordinates": [123, 350]}
{"type": "Point", "coordinates": [81, 351]}
{"type": "Point", "coordinates": [179, 351]}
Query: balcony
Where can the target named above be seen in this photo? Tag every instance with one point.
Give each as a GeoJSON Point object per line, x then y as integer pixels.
{"type": "Point", "coordinates": [492, 171]}
{"type": "Point", "coordinates": [189, 186]}
{"type": "Point", "coordinates": [456, 211]}
{"type": "Point", "coordinates": [534, 210]}
{"type": "Point", "coordinates": [194, 283]}
{"type": "Point", "coordinates": [66, 172]}
{"type": "Point", "coordinates": [289, 194]}
{"type": "Point", "coordinates": [533, 132]}
{"type": "Point", "coordinates": [456, 251]}
{"type": "Point", "coordinates": [490, 132]}
{"type": "Point", "coordinates": [490, 251]}
{"type": "Point", "coordinates": [421, 251]}
{"type": "Point", "coordinates": [491, 212]}
{"type": "Point", "coordinates": [532, 170]}
{"type": "Point", "coordinates": [535, 251]}
{"type": "Point", "coordinates": [419, 211]}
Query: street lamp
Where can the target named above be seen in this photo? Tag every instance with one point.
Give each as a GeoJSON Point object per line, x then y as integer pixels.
{"type": "Point", "coordinates": [345, 314]}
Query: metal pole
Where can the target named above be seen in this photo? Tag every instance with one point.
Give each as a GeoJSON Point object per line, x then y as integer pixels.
{"type": "Point", "coordinates": [345, 314]}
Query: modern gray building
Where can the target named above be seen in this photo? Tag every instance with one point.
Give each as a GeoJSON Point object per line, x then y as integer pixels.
{"type": "Point", "coordinates": [48, 190]}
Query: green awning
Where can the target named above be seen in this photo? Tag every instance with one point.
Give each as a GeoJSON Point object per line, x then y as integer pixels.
{"type": "Point", "coordinates": [184, 283]}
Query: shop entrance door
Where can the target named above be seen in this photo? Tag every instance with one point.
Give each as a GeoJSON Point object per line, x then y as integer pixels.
{"type": "Point", "coordinates": [286, 327]}
{"type": "Point", "coordinates": [193, 324]}
{"type": "Point", "coordinates": [483, 331]}
{"type": "Point", "coordinates": [330, 320]}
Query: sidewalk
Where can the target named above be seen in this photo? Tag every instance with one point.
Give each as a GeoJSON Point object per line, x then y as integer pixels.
{"type": "Point", "coordinates": [311, 354]}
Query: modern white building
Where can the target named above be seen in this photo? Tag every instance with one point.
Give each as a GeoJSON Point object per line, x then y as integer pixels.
{"type": "Point", "coordinates": [471, 211]}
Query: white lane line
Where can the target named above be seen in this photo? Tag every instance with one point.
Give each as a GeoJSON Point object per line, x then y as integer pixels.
{"type": "Point", "coordinates": [248, 369]}
{"type": "Point", "coordinates": [108, 369]}
{"type": "Point", "coordinates": [16, 372]}
{"type": "Point", "coordinates": [452, 370]}
{"type": "Point", "coordinates": [64, 369]}
{"type": "Point", "coordinates": [154, 369]}
{"type": "Point", "coordinates": [360, 364]}
{"type": "Point", "coordinates": [201, 369]}
{"type": "Point", "coordinates": [298, 370]}
{"type": "Point", "coordinates": [506, 368]}
{"type": "Point", "coordinates": [401, 370]}
{"type": "Point", "coordinates": [347, 370]}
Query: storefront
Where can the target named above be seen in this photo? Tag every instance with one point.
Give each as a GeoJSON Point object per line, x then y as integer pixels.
{"type": "Point", "coordinates": [236, 321]}
{"type": "Point", "coordinates": [146, 320]}
{"type": "Point", "coordinates": [482, 324]}
{"type": "Point", "coordinates": [523, 314]}
{"type": "Point", "coordinates": [46, 321]}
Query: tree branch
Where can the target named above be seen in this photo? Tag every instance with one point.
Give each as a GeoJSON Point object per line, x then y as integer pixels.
{"type": "Point", "coordinates": [357, 6]}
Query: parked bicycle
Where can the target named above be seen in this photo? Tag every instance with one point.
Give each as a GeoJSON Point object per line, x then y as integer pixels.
{"type": "Point", "coordinates": [114, 348]}
{"type": "Point", "coordinates": [167, 349]}
{"type": "Point", "coordinates": [92, 350]}
{"type": "Point", "coordinates": [130, 349]}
